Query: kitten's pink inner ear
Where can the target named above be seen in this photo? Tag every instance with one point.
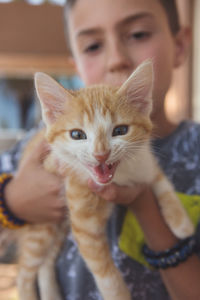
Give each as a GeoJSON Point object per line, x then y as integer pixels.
{"type": "Point", "coordinates": [53, 97]}
{"type": "Point", "coordinates": [137, 89]}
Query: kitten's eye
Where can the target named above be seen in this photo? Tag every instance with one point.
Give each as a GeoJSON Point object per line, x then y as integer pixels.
{"type": "Point", "coordinates": [120, 130]}
{"type": "Point", "coordinates": [78, 134]}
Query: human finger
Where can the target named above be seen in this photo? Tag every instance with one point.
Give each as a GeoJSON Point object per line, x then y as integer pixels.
{"type": "Point", "coordinates": [62, 214]}
{"type": "Point", "coordinates": [115, 193]}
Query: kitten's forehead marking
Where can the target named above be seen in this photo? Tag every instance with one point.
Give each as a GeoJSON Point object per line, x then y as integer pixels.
{"type": "Point", "coordinates": [101, 125]}
{"type": "Point", "coordinates": [102, 120]}
{"type": "Point", "coordinates": [99, 99]}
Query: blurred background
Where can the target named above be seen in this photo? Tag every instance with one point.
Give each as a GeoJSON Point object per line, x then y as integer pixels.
{"type": "Point", "coordinates": [32, 39]}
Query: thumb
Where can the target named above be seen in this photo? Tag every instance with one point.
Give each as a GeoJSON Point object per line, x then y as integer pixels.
{"type": "Point", "coordinates": [117, 194]}
{"type": "Point", "coordinates": [39, 151]}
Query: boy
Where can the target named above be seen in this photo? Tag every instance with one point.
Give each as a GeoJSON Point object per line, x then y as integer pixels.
{"type": "Point", "coordinates": [108, 39]}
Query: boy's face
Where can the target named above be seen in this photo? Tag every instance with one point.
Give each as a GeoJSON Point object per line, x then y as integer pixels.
{"type": "Point", "coordinates": [110, 38]}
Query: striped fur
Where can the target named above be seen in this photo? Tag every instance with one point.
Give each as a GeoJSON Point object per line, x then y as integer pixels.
{"type": "Point", "coordinates": [125, 159]}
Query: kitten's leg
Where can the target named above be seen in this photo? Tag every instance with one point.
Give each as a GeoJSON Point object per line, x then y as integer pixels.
{"type": "Point", "coordinates": [174, 213]}
{"type": "Point", "coordinates": [26, 282]}
{"type": "Point", "coordinates": [27, 274]}
{"type": "Point", "coordinates": [34, 245]}
{"type": "Point", "coordinates": [47, 281]}
{"type": "Point", "coordinates": [107, 276]}
{"type": "Point", "coordinates": [88, 221]}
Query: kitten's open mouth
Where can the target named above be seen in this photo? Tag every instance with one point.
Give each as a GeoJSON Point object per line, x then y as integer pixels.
{"type": "Point", "coordinates": [104, 172]}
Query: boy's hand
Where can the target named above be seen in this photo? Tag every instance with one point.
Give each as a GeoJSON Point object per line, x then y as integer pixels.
{"type": "Point", "coordinates": [34, 194]}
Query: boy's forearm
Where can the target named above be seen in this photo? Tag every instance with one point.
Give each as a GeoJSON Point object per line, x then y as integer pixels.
{"type": "Point", "coordinates": [181, 281]}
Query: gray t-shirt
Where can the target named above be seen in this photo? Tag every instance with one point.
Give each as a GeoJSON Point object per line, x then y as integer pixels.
{"type": "Point", "coordinates": [179, 156]}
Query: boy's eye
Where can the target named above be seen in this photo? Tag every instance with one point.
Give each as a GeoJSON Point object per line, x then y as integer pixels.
{"type": "Point", "coordinates": [78, 134]}
{"type": "Point", "coordinates": [92, 48]}
{"type": "Point", "coordinates": [140, 35]}
{"type": "Point", "coordinates": [120, 130]}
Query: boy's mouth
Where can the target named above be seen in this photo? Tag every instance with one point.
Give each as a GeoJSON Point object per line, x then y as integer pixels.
{"type": "Point", "coordinates": [104, 172]}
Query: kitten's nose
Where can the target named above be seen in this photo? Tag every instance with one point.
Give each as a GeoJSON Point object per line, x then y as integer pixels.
{"type": "Point", "coordinates": [102, 157]}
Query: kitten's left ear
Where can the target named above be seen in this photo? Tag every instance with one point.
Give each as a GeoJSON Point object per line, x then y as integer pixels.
{"type": "Point", "coordinates": [137, 89]}
{"type": "Point", "coordinates": [53, 97]}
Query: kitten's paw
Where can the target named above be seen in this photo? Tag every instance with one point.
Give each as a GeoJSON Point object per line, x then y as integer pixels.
{"type": "Point", "coordinates": [125, 296]}
{"type": "Point", "coordinates": [185, 230]}
{"type": "Point", "coordinates": [26, 295]}
{"type": "Point", "coordinates": [53, 296]}
{"type": "Point", "coordinates": [121, 292]}
{"type": "Point", "coordinates": [50, 292]}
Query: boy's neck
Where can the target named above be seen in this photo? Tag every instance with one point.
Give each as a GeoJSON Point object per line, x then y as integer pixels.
{"type": "Point", "coordinates": [162, 126]}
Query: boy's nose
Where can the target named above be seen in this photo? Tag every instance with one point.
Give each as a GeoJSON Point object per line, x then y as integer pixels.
{"type": "Point", "coordinates": [118, 58]}
{"type": "Point", "coordinates": [102, 157]}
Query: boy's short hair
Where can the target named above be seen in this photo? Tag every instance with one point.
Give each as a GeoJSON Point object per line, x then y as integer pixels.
{"type": "Point", "coordinates": [169, 6]}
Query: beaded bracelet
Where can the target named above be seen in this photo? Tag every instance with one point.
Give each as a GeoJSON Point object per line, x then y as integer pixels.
{"type": "Point", "coordinates": [172, 256]}
{"type": "Point", "coordinates": [7, 219]}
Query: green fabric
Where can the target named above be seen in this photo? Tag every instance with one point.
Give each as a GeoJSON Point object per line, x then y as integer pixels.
{"type": "Point", "coordinates": [132, 238]}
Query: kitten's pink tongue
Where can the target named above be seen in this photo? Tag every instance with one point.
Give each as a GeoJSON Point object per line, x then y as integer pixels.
{"type": "Point", "coordinates": [104, 173]}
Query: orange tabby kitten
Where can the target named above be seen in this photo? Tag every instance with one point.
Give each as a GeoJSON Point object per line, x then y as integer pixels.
{"type": "Point", "coordinates": [102, 133]}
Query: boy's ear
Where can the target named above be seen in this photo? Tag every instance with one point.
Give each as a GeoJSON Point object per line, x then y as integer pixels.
{"type": "Point", "coordinates": [53, 97]}
{"type": "Point", "coordinates": [137, 89]}
{"type": "Point", "coordinates": [182, 45]}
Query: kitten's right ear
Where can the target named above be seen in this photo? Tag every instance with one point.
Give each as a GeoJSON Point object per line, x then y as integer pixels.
{"type": "Point", "coordinates": [137, 89]}
{"type": "Point", "coordinates": [52, 96]}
